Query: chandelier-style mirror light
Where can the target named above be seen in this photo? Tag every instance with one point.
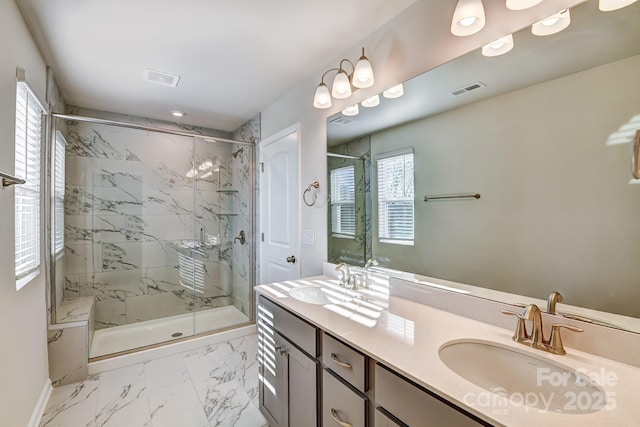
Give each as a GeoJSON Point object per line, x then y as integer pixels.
{"type": "Point", "coordinates": [521, 4]}
{"type": "Point", "coordinates": [468, 18]}
{"type": "Point", "coordinates": [609, 5]}
{"type": "Point", "coordinates": [361, 77]}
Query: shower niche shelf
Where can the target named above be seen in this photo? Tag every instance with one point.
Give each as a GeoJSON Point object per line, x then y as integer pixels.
{"type": "Point", "coordinates": [227, 191]}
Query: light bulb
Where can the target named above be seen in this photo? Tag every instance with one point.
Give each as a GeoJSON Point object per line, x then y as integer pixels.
{"type": "Point", "coordinates": [552, 24]}
{"type": "Point", "coordinates": [341, 87]}
{"type": "Point", "coordinates": [351, 111]}
{"type": "Point", "coordinates": [371, 102]}
{"type": "Point", "coordinates": [394, 92]}
{"type": "Point", "coordinates": [322, 98]}
{"type": "Point", "coordinates": [468, 18]}
{"type": "Point", "coordinates": [498, 47]}
{"type": "Point", "coordinates": [363, 73]}
{"type": "Point", "coordinates": [609, 5]}
{"type": "Point", "coordinates": [521, 4]}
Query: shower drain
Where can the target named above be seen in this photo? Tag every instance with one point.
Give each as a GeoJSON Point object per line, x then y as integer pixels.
{"type": "Point", "coordinates": [176, 334]}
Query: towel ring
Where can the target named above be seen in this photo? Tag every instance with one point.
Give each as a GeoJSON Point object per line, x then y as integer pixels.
{"type": "Point", "coordinates": [315, 185]}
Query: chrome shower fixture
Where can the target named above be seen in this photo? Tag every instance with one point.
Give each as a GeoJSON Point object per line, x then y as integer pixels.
{"type": "Point", "coordinates": [236, 153]}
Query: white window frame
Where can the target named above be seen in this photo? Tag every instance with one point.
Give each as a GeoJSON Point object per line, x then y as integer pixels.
{"type": "Point", "coordinates": [28, 201]}
{"type": "Point", "coordinates": [338, 203]}
{"type": "Point", "coordinates": [403, 192]}
{"type": "Point", "coordinates": [57, 237]}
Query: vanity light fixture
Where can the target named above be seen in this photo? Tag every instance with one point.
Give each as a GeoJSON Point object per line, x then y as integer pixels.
{"type": "Point", "coordinates": [178, 113]}
{"type": "Point", "coordinates": [498, 47]}
{"type": "Point", "coordinates": [553, 24]}
{"type": "Point", "coordinates": [468, 18]}
{"type": "Point", "coordinates": [351, 111]}
{"type": "Point", "coordinates": [522, 4]}
{"type": "Point", "coordinates": [361, 77]}
{"type": "Point", "coordinates": [395, 92]}
{"type": "Point", "coordinates": [609, 5]}
{"type": "Point", "coordinates": [371, 102]}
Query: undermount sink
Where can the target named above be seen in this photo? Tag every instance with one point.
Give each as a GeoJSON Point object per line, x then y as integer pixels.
{"type": "Point", "coordinates": [319, 295]}
{"type": "Point", "coordinates": [522, 378]}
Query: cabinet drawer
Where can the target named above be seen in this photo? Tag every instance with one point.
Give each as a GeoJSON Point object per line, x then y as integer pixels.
{"type": "Point", "coordinates": [341, 404]}
{"type": "Point", "coordinates": [344, 361]}
{"type": "Point", "coordinates": [295, 329]}
{"type": "Point", "coordinates": [414, 406]}
{"type": "Point", "coordinates": [382, 420]}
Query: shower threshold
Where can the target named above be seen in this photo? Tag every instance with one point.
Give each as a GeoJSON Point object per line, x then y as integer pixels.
{"type": "Point", "coordinates": [127, 337]}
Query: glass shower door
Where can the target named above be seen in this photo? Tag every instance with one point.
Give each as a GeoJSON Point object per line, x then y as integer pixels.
{"type": "Point", "coordinates": [224, 229]}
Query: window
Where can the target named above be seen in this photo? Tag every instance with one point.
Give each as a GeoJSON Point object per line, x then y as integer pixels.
{"type": "Point", "coordinates": [27, 196]}
{"type": "Point", "coordinates": [58, 194]}
{"type": "Point", "coordinates": [343, 201]}
{"type": "Point", "coordinates": [395, 198]}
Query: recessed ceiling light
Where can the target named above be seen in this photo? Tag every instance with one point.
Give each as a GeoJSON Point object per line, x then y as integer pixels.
{"type": "Point", "coordinates": [178, 113]}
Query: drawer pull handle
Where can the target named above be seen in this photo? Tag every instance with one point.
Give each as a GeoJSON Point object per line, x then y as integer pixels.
{"type": "Point", "coordinates": [339, 363]}
{"type": "Point", "coordinates": [336, 418]}
{"type": "Point", "coordinates": [281, 350]}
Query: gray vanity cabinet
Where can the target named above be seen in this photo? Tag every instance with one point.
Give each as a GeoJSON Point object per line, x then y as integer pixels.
{"type": "Point", "coordinates": [288, 375]}
{"type": "Point", "coordinates": [412, 405]}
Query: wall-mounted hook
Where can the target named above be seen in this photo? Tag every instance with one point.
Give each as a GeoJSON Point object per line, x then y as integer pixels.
{"type": "Point", "coordinates": [315, 185]}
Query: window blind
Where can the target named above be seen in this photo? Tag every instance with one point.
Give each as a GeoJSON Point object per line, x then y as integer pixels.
{"type": "Point", "coordinates": [343, 201]}
{"type": "Point", "coordinates": [396, 199]}
{"type": "Point", "coordinates": [58, 193]}
{"type": "Point", "coordinates": [27, 196]}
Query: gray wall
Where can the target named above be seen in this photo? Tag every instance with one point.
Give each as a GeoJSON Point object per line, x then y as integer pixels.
{"type": "Point", "coordinates": [557, 210]}
{"type": "Point", "coordinates": [24, 367]}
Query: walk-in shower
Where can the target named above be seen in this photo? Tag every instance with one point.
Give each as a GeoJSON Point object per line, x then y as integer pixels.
{"type": "Point", "coordinates": [150, 220]}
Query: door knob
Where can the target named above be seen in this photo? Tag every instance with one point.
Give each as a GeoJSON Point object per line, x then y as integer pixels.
{"type": "Point", "coordinates": [291, 259]}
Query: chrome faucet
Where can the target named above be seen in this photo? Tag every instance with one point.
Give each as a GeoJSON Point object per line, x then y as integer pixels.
{"type": "Point", "coordinates": [345, 274]}
{"type": "Point", "coordinates": [535, 339]}
{"type": "Point", "coordinates": [371, 262]}
{"type": "Point", "coordinates": [554, 297]}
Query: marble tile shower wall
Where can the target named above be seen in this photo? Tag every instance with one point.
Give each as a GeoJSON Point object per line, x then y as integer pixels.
{"type": "Point", "coordinates": [243, 167]}
{"type": "Point", "coordinates": [129, 223]}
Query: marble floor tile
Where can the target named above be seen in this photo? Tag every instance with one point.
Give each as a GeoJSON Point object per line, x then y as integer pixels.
{"type": "Point", "coordinates": [212, 386]}
{"type": "Point", "coordinates": [72, 405]}
{"type": "Point", "coordinates": [166, 371]}
{"type": "Point", "coordinates": [176, 405]}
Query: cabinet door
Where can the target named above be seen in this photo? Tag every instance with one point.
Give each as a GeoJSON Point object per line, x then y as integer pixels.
{"type": "Point", "coordinates": [303, 388]}
{"type": "Point", "coordinates": [272, 368]}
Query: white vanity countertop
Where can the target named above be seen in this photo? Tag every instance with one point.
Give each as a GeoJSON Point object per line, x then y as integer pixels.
{"type": "Point", "coordinates": [406, 336]}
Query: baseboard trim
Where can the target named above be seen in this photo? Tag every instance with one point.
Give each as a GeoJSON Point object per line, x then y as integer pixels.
{"type": "Point", "coordinates": [41, 404]}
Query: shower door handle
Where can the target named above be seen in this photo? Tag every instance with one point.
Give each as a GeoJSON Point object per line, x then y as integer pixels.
{"type": "Point", "coordinates": [291, 259]}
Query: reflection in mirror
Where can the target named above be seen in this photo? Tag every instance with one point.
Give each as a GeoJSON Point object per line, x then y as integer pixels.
{"type": "Point", "coordinates": [544, 134]}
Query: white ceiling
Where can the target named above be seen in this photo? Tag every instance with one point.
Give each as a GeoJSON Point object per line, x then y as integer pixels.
{"type": "Point", "coordinates": [234, 57]}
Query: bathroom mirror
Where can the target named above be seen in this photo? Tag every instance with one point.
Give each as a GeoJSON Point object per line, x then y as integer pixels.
{"type": "Point", "coordinates": [543, 134]}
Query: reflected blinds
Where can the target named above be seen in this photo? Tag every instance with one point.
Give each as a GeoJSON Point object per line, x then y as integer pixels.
{"type": "Point", "coordinates": [343, 201]}
{"type": "Point", "coordinates": [58, 193]}
{"type": "Point", "coordinates": [395, 198]}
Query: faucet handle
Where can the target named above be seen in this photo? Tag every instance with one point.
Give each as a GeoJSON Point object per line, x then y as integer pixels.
{"type": "Point", "coordinates": [555, 341]}
{"type": "Point", "coordinates": [520, 333]}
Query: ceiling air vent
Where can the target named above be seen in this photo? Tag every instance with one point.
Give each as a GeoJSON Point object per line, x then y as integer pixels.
{"type": "Point", "coordinates": [468, 88]}
{"type": "Point", "coordinates": [341, 120]}
{"type": "Point", "coordinates": [160, 78]}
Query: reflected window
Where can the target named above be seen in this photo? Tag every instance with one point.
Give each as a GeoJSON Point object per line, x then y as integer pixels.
{"type": "Point", "coordinates": [396, 197]}
{"type": "Point", "coordinates": [343, 201]}
{"type": "Point", "coordinates": [58, 193]}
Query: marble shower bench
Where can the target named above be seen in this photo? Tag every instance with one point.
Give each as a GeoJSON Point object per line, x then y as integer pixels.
{"type": "Point", "coordinates": [69, 341]}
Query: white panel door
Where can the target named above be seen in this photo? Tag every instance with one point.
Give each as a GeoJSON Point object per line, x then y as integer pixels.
{"type": "Point", "coordinates": [279, 208]}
